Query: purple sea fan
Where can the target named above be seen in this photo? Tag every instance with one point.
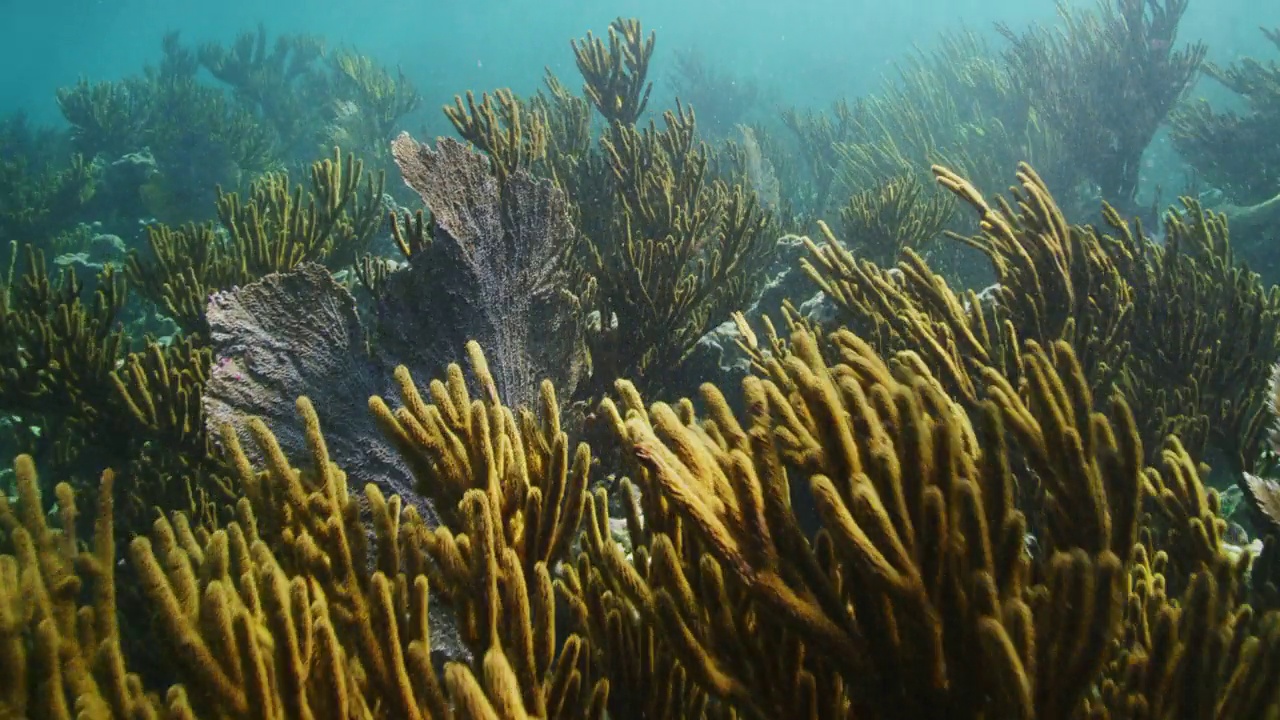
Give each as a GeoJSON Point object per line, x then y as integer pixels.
{"type": "Point", "coordinates": [297, 333]}
{"type": "Point", "coordinates": [494, 273]}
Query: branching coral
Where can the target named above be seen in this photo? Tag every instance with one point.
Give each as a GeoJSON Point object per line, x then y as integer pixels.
{"type": "Point", "coordinates": [1236, 152]}
{"type": "Point", "coordinates": [955, 105]}
{"type": "Point", "coordinates": [748, 159]}
{"type": "Point", "coordinates": [512, 136]}
{"type": "Point", "coordinates": [276, 227]}
{"type": "Point", "coordinates": [729, 606]}
{"type": "Point", "coordinates": [279, 615]}
{"type": "Point", "coordinates": [159, 397]}
{"type": "Point", "coordinates": [668, 249]}
{"type": "Point", "coordinates": [1150, 318]}
{"type": "Point", "coordinates": [1106, 82]}
{"type": "Point", "coordinates": [59, 344]}
{"type": "Point", "coordinates": [105, 117]}
{"type": "Point", "coordinates": [311, 100]}
{"type": "Point", "coordinates": [926, 516]}
{"type": "Point", "coordinates": [919, 596]}
{"type": "Point", "coordinates": [185, 266]}
{"type": "Point", "coordinates": [616, 74]}
{"type": "Point", "coordinates": [898, 213]}
{"type": "Point", "coordinates": [51, 644]}
{"type": "Point", "coordinates": [1049, 99]}
{"type": "Point", "coordinates": [1054, 282]}
{"type": "Point", "coordinates": [519, 459]}
{"type": "Point", "coordinates": [569, 140]}
{"type": "Point", "coordinates": [686, 250]}
{"type": "Point", "coordinates": [1206, 333]}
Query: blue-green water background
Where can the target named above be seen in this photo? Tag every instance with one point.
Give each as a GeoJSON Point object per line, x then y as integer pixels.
{"type": "Point", "coordinates": [806, 53]}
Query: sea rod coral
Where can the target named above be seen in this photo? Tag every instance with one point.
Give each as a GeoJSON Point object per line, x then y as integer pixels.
{"type": "Point", "coordinates": [298, 609]}
{"type": "Point", "coordinates": [724, 606]}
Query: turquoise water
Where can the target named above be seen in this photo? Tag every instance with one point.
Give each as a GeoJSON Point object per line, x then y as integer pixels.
{"type": "Point", "coordinates": [811, 52]}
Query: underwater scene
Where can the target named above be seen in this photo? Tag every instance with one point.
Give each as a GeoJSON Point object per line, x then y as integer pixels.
{"type": "Point", "coordinates": [672, 360]}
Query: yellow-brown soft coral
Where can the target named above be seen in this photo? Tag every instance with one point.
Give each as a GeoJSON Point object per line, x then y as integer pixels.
{"type": "Point", "coordinates": [923, 593]}
{"type": "Point", "coordinates": [275, 227]}
{"type": "Point", "coordinates": [301, 608]}
{"type": "Point", "coordinates": [1180, 327]}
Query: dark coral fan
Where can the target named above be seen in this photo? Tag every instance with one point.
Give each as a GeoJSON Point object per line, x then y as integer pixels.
{"type": "Point", "coordinates": [291, 334]}
{"type": "Point", "coordinates": [493, 273]}
{"type": "Point", "coordinates": [496, 273]}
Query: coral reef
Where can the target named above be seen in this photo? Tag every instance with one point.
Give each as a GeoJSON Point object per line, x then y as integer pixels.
{"type": "Point", "coordinates": [925, 501]}
{"type": "Point", "coordinates": [726, 606]}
